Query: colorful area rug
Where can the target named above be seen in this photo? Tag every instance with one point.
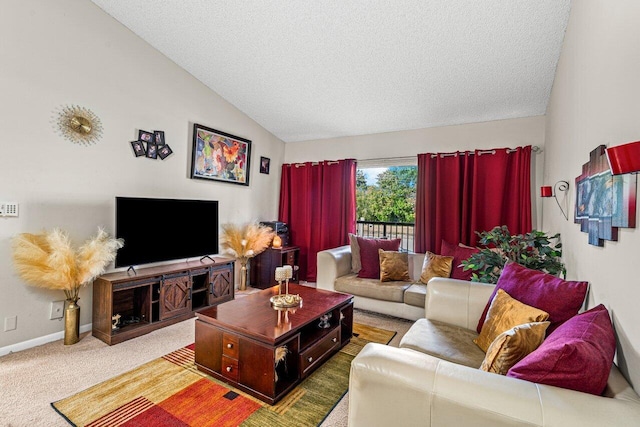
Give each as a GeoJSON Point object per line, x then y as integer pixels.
{"type": "Point", "coordinates": [170, 391]}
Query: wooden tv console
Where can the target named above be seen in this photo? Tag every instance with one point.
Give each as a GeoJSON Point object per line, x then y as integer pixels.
{"type": "Point", "coordinates": [155, 297]}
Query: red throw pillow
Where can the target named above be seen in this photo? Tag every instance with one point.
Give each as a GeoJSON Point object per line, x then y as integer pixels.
{"type": "Point", "coordinates": [459, 254]}
{"type": "Point", "coordinates": [369, 255]}
{"type": "Point", "coordinates": [577, 356]}
{"type": "Point", "coordinates": [560, 298]}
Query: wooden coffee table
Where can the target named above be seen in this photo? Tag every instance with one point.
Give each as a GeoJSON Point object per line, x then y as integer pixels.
{"type": "Point", "coordinates": [239, 342]}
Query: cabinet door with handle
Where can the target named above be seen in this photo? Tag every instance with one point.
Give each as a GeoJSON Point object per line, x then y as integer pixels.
{"type": "Point", "coordinates": [221, 284]}
{"type": "Point", "coordinates": [175, 296]}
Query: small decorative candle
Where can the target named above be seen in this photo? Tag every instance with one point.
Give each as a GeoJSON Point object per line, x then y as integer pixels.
{"type": "Point", "coordinates": [288, 271]}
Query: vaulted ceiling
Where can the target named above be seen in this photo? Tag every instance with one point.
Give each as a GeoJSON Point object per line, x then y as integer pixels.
{"type": "Point", "coordinates": [328, 68]}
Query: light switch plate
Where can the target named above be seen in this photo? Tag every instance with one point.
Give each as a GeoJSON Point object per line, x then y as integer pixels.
{"type": "Point", "coordinates": [8, 209]}
{"type": "Point", "coordinates": [57, 310]}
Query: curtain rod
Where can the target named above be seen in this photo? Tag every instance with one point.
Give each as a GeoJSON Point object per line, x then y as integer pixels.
{"type": "Point", "coordinates": [534, 148]}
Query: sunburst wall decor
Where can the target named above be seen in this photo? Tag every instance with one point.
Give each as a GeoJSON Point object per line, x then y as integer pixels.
{"type": "Point", "coordinates": [78, 124]}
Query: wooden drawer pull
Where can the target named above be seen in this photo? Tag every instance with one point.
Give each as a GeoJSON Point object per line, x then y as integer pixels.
{"type": "Point", "coordinates": [229, 368]}
{"type": "Point", "coordinates": [229, 345]}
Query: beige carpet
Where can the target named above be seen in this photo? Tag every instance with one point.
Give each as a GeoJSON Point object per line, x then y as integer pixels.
{"type": "Point", "coordinates": [31, 379]}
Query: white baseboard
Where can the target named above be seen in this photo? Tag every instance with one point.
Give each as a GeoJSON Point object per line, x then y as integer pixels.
{"type": "Point", "coordinates": [39, 341]}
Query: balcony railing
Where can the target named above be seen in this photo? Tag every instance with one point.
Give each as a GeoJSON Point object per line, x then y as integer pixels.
{"type": "Point", "coordinates": [388, 230]}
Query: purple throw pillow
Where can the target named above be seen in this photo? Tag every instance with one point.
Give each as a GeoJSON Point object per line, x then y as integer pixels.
{"type": "Point", "coordinates": [459, 254]}
{"type": "Point", "coordinates": [562, 299]}
{"type": "Point", "coordinates": [577, 356]}
{"type": "Point", "coordinates": [369, 255]}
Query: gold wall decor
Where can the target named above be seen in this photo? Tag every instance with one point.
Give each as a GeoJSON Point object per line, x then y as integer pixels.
{"type": "Point", "coordinates": [78, 124]}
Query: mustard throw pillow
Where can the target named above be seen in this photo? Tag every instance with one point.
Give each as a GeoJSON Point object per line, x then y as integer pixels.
{"type": "Point", "coordinates": [505, 313]}
{"type": "Point", "coordinates": [435, 266]}
{"type": "Point", "coordinates": [393, 266]}
{"type": "Point", "coordinates": [512, 346]}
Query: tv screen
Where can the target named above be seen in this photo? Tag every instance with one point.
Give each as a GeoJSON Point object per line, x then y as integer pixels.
{"type": "Point", "coordinates": [157, 230]}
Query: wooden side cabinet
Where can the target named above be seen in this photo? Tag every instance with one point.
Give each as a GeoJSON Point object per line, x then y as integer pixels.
{"type": "Point", "coordinates": [158, 296]}
{"type": "Point", "coordinates": [263, 266]}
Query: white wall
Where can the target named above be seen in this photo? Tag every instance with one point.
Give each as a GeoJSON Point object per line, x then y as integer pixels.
{"type": "Point", "coordinates": [497, 134]}
{"type": "Point", "coordinates": [67, 52]}
{"type": "Point", "coordinates": [595, 101]}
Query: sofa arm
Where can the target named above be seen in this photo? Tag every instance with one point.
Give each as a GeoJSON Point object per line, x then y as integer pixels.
{"type": "Point", "coordinates": [457, 302]}
{"type": "Point", "coordinates": [332, 263]}
{"type": "Point", "coordinates": [403, 387]}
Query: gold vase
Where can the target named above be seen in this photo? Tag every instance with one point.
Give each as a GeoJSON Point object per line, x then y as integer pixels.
{"type": "Point", "coordinates": [243, 277]}
{"type": "Point", "coordinates": [72, 322]}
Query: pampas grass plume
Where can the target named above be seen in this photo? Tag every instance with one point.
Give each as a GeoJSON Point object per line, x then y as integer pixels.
{"type": "Point", "coordinates": [48, 260]}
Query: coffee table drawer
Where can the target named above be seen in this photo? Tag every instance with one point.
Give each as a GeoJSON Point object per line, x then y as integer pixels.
{"type": "Point", "coordinates": [317, 352]}
{"type": "Point", "coordinates": [229, 368]}
{"type": "Point", "coordinates": [230, 345]}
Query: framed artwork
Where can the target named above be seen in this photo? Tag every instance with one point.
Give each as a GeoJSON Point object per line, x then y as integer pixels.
{"type": "Point", "coordinates": [138, 148]}
{"type": "Point", "coordinates": [159, 137]}
{"type": "Point", "coordinates": [145, 136]}
{"type": "Point", "coordinates": [264, 165]}
{"type": "Point", "coordinates": [164, 151]}
{"type": "Point", "coordinates": [152, 150]}
{"type": "Point", "coordinates": [219, 156]}
{"type": "Point", "coordinates": [604, 202]}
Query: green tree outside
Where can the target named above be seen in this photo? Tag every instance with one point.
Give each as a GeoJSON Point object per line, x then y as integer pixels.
{"type": "Point", "coordinates": [391, 199]}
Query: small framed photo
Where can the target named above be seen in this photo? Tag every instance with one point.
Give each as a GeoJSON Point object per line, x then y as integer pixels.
{"type": "Point", "coordinates": [152, 150]}
{"type": "Point", "coordinates": [159, 137]}
{"type": "Point", "coordinates": [138, 148]}
{"type": "Point", "coordinates": [164, 151]}
{"type": "Point", "coordinates": [145, 136]}
{"type": "Point", "coordinates": [264, 165]}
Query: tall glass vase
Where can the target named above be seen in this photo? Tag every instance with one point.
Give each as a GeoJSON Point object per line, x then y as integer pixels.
{"type": "Point", "coordinates": [72, 322]}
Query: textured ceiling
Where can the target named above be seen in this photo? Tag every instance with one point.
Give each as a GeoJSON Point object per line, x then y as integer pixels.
{"type": "Point", "coordinates": [327, 68]}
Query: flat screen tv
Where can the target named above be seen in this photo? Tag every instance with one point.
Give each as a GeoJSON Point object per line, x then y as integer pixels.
{"type": "Point", "coordinates": [157, 230]}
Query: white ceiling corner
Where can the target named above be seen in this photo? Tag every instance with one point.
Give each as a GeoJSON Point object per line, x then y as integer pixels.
{"type": "Point", "coordinates": [329, 68]}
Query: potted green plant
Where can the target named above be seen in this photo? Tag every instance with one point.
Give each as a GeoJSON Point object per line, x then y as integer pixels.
{"type": "Point", "coordinates": [535, 250]}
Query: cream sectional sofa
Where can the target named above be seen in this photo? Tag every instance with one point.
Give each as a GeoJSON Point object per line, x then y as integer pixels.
{"type": "Point", "coordinates": [433, 378]}
{"type": "Point", "coordinates": [400, 299]}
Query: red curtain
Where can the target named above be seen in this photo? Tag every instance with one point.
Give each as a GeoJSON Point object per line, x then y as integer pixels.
{"type": "Point", "coordinates": [318, 202]}
{"type": "Point", "coordinates": [464, 192]}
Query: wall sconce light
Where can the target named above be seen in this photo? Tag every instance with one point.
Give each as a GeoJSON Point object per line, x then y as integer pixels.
{"type": "Point", "coordinates": [548, 191]}
{"type": "Point", "coordinates": [624, 158]}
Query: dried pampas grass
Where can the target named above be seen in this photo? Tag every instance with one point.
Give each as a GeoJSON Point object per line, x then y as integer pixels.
{"type": "Point", "coordinates": [247, 240]}
{"type": "Point", "coordinates": [48, 260]}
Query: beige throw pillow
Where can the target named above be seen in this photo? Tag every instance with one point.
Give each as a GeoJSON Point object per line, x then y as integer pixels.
{"type": "Point", "coordinates": [394, 266]}
{"type": "Point", "coordinates": [512, 346]}
{"type": "Point", "coordinates": [505, 313]}
{"type": "Point", "coordinates": [356, 265]}
{"type": "Point", "coordinates": [435, 266]}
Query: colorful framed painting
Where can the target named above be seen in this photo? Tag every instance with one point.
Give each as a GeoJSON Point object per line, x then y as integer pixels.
{"type": "Point", "coordinates": [219, 156]}
{"type": "Point", "coordinates": [604, 202]}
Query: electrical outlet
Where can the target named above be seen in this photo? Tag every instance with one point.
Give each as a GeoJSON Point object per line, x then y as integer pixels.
{"type": "Point", "coordinates": [10, 323]}
{"type": "Point", "coordinates": [8, 209]}
{"type": "Point", "coordinates": [57, 310]}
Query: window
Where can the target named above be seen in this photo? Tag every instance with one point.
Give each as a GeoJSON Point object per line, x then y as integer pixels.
{"type": "Point", "coordinates": [386, 199]}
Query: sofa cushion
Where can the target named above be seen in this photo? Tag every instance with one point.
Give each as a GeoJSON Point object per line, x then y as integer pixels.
{"type": "Point", "coordinates": [415, 295]}
{"type": "Point", "coordinates": [435, 266]}
{"type": "Point", "coordinates": [394, 266]}
{"type": "Point", "coordinates": [387, 291]}
{"type": "Point", "coordinates": [560, 298]}
{"type": "Point", "coordinates": [355, 253]}
{"type": "Point", "coordinates": [512, 346]}
{"type": "Point", "coordinates": [369, 255]}
{"type": "Point", "coordinates": [459, 254]}
{"type": "Point", "coordinates": [577, 356]}
{"type": "Point", "coordinates": [445, 341]}
{"type": "Point", "coordinates": [505, 313]}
